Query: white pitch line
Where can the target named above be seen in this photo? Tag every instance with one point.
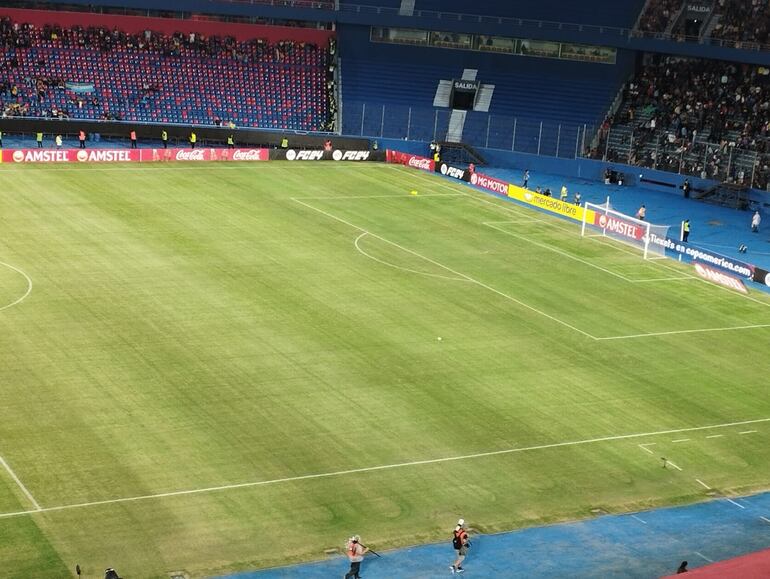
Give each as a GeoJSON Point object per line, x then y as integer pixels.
{"type": "Point", "coordinates": [449, 269]}
{"type": "Point", "coordinates": [26, 293]}
{"type": "Point", "coordinates": [704, 485]}
{"type": "Point", "coordinates": [715, 436]}
{"type": "Point", "coordinates": [674, 465]}
{"type": "Point", "coordinates": [704, 557]}
{"type": "Point", "coordinates": [674, 332]}
{"type": "Point", "coordinates": [559, 224]}
{"type": "Point", "coordinates": [406, 269]}
{"type": "Point", "coordinates": [20, 484]}
{"type": "Point", "coordinates": [681, 440]}
{"type": "Point", "coordinates": [385, 467]}
{"type": "Point", "coordinates": [407, 196]}
{"type": "Point", "coordinates": [765, 519]}
{"type": "Point", "coordinates": [638, 519]}
{"type": "Point", "coordinates": [747, 432]}
{"type": "Point", "coordinates": [644, 448]}
{"type": "Point", "coordinates": [733, 502]}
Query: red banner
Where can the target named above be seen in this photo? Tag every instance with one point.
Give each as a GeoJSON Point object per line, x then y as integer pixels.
{"type": "Point", "coordinates": [410, 160]}
{"type": "Point", "coordinates": [489, 183]}
{"type": "Point", "coordinates": [130, 155]}
{"type": "Point", "coordinates": [619, 226]}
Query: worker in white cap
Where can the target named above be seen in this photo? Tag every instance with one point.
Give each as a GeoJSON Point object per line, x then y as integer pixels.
{"type": "Point", "coordinates": [460, 543]}
{"type": "Point", "coordinates": [355, 552]}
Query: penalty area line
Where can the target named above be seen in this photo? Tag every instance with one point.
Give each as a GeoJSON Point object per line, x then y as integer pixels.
{"type": "Point", "coordinates": [380, 468]}
{"type": "Point", "coordinates": [21, 485]}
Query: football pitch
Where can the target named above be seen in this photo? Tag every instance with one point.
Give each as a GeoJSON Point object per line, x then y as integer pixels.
{"type": "Point", "coordinates": [224, 367]}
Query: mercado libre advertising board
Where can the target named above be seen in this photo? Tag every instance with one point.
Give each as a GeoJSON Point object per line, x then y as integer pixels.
{"type": "Point", "coordinates": [551, 204]}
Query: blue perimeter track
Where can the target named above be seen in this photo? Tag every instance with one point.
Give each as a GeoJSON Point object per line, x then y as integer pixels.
{"type": "Point", "coordinates": [640, 545]}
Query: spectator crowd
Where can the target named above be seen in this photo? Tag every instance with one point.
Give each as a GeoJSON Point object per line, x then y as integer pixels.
{"type": "Point", "coordinates": [697, 117]}
{"type": "Point", "coordinates": [34, 80]}
{"type": "Point", "coordinates": [735, 21]}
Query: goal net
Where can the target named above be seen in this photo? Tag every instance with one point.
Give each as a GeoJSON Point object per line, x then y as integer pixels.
{"type": "Point", "coordinates": [603, 221]}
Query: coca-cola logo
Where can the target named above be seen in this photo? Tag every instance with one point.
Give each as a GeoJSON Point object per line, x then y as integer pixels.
{"type": "Point", "coordinates": [82, 155]}
{"type": "Point", "coordinates": [18, 156]}
{"type": "Point", "coordinates": [192, 155]}
{"type": "Point", "coordinates": [250, 155]}
{"type": "Point", "coordinates": [419, 163]}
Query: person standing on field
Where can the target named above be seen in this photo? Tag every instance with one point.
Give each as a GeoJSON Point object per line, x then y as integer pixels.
{"type": "Point", "coordinates": [82, 139]}
{"type": "Point", "coordinates": [132, 135]}
{"type": "Point", "coordinates": [563, 196]}
{"type": "Point", "coordinates": [193, 139]}
{"type": "Point", "coordinates": [685, 230]}
{"type": "Point", "coordinates": [58, 141]}
{"type": "Point", "coordinates": [641, 213]}
{"type": "Point", "coordinates": [355, 552]}
{"type": "Point", "coordinates": [755, 221]}
{"type": "Point", "coordinates": [460, 543]}
{"type": "Point", "coordinates": [40, 140]}
{"type": "Point", "coordinates": [164, 138]}
{"type": "Point", "coordinates": [526, 179]}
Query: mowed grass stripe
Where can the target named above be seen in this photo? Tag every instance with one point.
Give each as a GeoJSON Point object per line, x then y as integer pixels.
{"type": "Point", "coordinates": [193, 328]}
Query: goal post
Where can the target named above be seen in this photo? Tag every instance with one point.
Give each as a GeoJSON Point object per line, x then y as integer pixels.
{"type": "Point", "coordinates": [603, 221]}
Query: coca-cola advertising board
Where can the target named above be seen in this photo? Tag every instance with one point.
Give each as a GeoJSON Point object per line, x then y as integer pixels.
{"type": "Point", "coordinates": [414, 161]}
{"type": "Point", "coordinates": [130, 155]}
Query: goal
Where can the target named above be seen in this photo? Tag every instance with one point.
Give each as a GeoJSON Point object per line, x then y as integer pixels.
{"type": "Point", "coordinates": [603, 221]}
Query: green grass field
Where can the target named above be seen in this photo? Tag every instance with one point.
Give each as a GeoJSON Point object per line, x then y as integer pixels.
{"type": "Point", "coordinates": [211, 328]}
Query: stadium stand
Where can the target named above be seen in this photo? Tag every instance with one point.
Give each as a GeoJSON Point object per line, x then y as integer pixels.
{"type": "Point", "coordinates": [697, 117]}
{"type": "Point", "coordinates": [96, 73]}
{"type": "Point", "coordinates": [658, 15]}
{"type": "Point", "coordinates": [742, 21]}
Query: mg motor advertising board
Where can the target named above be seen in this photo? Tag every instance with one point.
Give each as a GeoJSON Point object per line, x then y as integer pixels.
{"type": "Point", "coordinates": [489, 183]}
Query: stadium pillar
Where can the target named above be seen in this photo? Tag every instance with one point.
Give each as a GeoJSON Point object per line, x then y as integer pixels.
{"type": "Point", "coordinates": [363, 114]}
{"type": "Point", "coordinates": [539, 138]}
{"type": "Point", "coordinates": [435, 123]}
{"type": "Point", "coordinates": [408, 123]}
{"type": "Point", "coordinates": [513, 141]}
{"type": "Point", "coordinates": [489, 120]}
{"type": "Point", "coordinates": [607, 144]}
{"type": "Point", "coordinates": [558, 140]}
{"type": "Point", "coordinates": [382, 123]}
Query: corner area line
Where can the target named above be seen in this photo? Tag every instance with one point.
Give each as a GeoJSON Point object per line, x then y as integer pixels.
{"type": "Point", "coordinates": [449, 269]}
{"type": "Point", "coordinates": [20, 484]}
{"type": "Point", "coordinates": [377, 468]}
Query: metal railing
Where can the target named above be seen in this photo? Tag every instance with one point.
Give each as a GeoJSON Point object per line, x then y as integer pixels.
{"type": "Point", "coordinates": [654, 150]}
{"type": "Point", "coordinates": [505, 133]}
